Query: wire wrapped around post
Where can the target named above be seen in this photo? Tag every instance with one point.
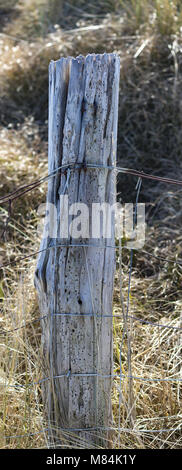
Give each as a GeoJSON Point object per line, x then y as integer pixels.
{"type": "Point", "coordinates": [79, 277]}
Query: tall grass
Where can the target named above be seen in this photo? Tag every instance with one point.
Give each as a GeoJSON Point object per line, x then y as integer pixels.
{"type": "Point", "coordinates": [147, 36]}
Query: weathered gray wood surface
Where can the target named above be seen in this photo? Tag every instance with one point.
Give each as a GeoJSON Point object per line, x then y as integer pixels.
{"type": "Point", "coordinates": [83, 111]}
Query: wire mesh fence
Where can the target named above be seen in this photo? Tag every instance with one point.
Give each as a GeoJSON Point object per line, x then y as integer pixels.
{"type": "Point", "coordinates": [123, 377]}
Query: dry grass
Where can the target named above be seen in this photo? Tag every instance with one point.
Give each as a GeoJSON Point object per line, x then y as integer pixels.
{"type": "Point", "coordinates": [148, 37]}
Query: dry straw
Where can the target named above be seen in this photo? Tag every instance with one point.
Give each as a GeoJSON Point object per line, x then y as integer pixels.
{"type": "Point", "coordinates": [147, 37]}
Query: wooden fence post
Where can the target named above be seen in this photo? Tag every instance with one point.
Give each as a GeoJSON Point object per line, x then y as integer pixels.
{"type": "Point", "coordinates": [75, 283]}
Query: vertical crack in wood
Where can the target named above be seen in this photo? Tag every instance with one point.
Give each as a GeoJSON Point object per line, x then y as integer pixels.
{"type": "Point", "coordinates": [83, 102]}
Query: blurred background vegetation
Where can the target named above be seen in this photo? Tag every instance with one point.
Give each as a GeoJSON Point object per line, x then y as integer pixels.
{"type": "Point", "coordinates": [147, 35]}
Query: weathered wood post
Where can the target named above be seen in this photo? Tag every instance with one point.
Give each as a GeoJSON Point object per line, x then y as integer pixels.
{"type": "Point", "coordinates": [75, 281]}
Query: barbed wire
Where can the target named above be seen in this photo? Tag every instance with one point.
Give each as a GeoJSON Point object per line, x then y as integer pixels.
{"type": "Point", "coordinates": [78, 166]}
{"type": "Point", "coordinates": [72, 166]}
{"type": "Point", "coordinates": [68, 375]}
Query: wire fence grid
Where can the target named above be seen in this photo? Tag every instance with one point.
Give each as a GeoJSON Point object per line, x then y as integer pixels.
{"type": "Point", "coordinates": [126, 317]}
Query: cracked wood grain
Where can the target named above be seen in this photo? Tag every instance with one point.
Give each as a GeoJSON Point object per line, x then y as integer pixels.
{"type": "Point", "coordinates": [83, 113]}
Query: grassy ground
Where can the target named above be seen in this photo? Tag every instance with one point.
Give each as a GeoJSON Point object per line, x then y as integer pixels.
{"type": "Point", "coordinates": [148, 37]}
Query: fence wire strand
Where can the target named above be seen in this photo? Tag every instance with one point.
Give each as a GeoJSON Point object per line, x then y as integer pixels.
{"type": "Point", "coordinates": [86, 245]}
{"type": "Point", "coordinates": [102, 428]}
{"type": "Point", "coordinates": [77, 166]}
{"type": "Point", "coordinates": [141, 320]}
{"type": "Point", "coordinates": [125, 317]}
